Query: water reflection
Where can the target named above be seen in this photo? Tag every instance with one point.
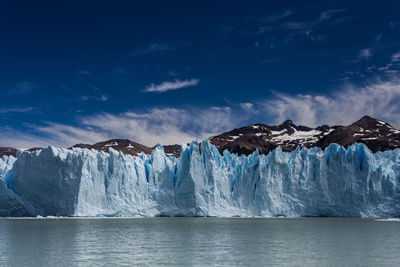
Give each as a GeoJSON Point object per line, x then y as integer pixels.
{"type": "Point", "coordinates": [198, 241]}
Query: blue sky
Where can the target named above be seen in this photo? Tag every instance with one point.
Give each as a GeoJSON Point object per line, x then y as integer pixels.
{"type": "Point", "coordinates": [171, 72]}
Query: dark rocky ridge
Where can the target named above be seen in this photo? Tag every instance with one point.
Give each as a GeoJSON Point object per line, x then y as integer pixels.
{"type": "Point", "coordinates": [11, 151]}
{"type": "Point", "coordinates": [7, 151]}
{"type": "Point", "coordinates": [126, 146]}
{"type": "Point", "coordinates": [377, 135]}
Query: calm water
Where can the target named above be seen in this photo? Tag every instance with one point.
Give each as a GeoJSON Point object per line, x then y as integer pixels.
{"type": "Point", "coordinates": [199, 241]}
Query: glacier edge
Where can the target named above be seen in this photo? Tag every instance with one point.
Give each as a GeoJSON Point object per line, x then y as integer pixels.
{"type": "Point", "coordinates": [202, 182]}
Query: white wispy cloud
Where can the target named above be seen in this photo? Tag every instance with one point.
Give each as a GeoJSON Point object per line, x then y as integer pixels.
{"type": "Point", "coordinates": [307, 28]}
{"type": "Point", "coordinates": [248, 107]}
{"type": "Point", "coordinates": [50, 133]}
{"type": "Point", "coordinates": [84, 72]}
{"type": "Point", "coordinates": [396, 57]}
{"type": "Point", "coordinates": [277, 17]}
{"type": "Point", "coordinates": [171, 85]}
{"type": "Point", "coordinates": [365, 54]}
{"type": "Point", "coordinates": [349, 102]}
{"type": "Point", "coordinates": [164, 125]}
{"type": "Point", "coordinates": [15, 110]}
{"type": "Point", "coordinates": [152, 48]}
{"type": "Point", "coordinates": [99, 98]}
{"type": "Point", "coordinates": [378, 99]}
{"type": "Point", "coordinates": [390, 70]}
{"type": "Point", "coordinates": [328, 14]}
{"type": "Point", "coordinates": [21, 87]}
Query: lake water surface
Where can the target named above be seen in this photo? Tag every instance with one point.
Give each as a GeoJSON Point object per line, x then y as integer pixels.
{"type": "Point", "coordinates": [199, 241]}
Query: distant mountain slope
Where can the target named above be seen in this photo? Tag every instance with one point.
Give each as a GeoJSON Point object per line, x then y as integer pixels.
{"type": "Point", "coordinates": [265, 138]}
{"type": "Point", "coordinates": [126, 146]}
{"type": "Point", "coordinates": [376, 134]}
{"type": "Point", "coordinates": [7, 151]}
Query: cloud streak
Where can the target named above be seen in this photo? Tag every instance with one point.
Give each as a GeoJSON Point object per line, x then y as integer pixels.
{"type": "Point", "coordinates": [286, 28]}
{"type": "Point", "coordinates": [154, 48]}
{"type": "Point", "coordinates": [365, 54]}
{"type": "Point", "coordinates": [164, 125]}
{"type": "Point", "coordinates": [15, 110]}
{"type": "Point", "coordinates": [21, 87]}
{"type": "Point", "coordinates": [248, 107]}
{"type": "Point", "coordinates": [328, 14]}
{"type": "Point", "coordinates": [102, 98]}
{"type": "Point", "coordinates": [396, 57]}
{"type": "Point", "coordinates": [378, 99]}
{"type": "Point", "coordinates": [277, 17]}
{"type": "Point", "coordinates": [168, 125]}
{"type": "Point", "coordinates": [170, 85]}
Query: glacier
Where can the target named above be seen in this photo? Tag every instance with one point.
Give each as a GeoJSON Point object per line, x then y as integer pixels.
{"type": "Point", "coordinates": [202, 182]}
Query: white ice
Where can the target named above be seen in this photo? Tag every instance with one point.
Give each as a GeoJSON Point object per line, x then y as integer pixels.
{"type": "Point", "coordinates": [201, 182]}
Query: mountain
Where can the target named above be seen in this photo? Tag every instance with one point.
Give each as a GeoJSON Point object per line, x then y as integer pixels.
{"type": "Point", "coordinates": [126, 146]}
{"type": "Point", "coordinates": [265, 138]}
{"type": "Point", "coordinates": [129, 147]}
{"type": "Point", "coordinates": [376, 134]}
{"type": "Point", "coordinates": [7, 151]}
{"type": "Point", "coordinates": [11, 151]}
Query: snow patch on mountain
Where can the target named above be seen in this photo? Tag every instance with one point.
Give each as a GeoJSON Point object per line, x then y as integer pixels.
{"type": "Point", "coordinates": [297, 135]}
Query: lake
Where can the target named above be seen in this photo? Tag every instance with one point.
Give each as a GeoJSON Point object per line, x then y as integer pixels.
{"type": "Point", "coordinates": [199, 241]}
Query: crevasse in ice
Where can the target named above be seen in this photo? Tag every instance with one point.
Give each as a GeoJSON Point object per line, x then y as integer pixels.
{"type": "Point", "coordinates": [201, 182]}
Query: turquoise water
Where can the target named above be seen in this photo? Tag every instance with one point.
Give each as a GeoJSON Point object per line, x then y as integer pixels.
{"type": "Point", "coordinates": [199, 241]}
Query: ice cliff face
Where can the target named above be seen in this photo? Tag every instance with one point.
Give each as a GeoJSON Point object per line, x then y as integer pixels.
{"type": "Point", "coordinates": [201, 182]}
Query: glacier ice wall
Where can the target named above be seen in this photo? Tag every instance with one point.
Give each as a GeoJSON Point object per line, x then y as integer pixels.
{"type": "Point", "coordinates": [201, 182]}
